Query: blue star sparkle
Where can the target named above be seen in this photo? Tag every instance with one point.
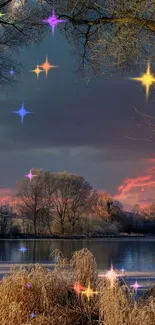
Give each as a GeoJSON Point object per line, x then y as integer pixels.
{"type": "Point", "coordinates": [23, 249]}
{"type": "Point", "coordinates": [12, 72]}
{"type": "Point", "coordinates": [32, 315]}
{"type": "Point", "coordinates": [22, 112]}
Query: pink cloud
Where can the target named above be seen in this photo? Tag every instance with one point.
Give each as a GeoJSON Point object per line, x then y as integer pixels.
{"type": "Point", "coordinates": [140, 189]}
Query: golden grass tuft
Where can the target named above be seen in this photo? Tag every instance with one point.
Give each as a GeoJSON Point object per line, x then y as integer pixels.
{"type": "Point", "coordinates": [54, 302]}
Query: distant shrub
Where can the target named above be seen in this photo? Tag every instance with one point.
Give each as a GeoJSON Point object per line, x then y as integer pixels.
{"type": "Point", "coordinates": [15, 230]}
{"type": "Point", "coordinates": [111, 228]}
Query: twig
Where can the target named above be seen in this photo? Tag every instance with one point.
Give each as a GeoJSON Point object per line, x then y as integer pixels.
{"type": "Point", "coordinates": [5, 4]}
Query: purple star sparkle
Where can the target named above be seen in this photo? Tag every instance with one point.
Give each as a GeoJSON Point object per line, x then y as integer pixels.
{"type": "Point", "coordinates": [53, 21]}
{"type": "Point", "coordinates": [22, 112]}
{"type": "Point", "coordinates": [136, 286]}
{"type": "Point", "coordinates": [28, 285]}
{"type": "Point", "coordinates": [30, 175]}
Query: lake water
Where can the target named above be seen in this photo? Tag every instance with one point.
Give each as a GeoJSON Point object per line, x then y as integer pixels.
{"type": "Point", "coordinates": [132, 254]}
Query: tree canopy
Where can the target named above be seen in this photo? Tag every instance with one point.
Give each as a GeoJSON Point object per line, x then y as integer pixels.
{"type": "Point", "coordinates": [115, 34]}
{"type": "Point", "coordinates": [109, 35]}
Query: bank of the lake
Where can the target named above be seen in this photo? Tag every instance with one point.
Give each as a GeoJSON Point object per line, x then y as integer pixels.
{"type": "Point", "coordinates": [83, 236]}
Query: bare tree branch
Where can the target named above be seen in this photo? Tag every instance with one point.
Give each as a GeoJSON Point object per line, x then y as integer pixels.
{"type": "Point", "coordinates": [121, 34]}
{"type": "Point", "coordinates": [5, 4]}
{"type": "Point", "coordinates": [144, 119]}
{"type": "Point", "coordinates": [105, 35]}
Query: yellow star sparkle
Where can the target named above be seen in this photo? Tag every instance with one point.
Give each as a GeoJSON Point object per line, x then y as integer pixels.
{"type": "Point", "coordinates": [46, 66]}
{"type": "Point", "coordinates": [37, 71]}
{"type": "Point", "coordinates": [147, 79]}
{"type": "Point", "coordinates": [88, 292]}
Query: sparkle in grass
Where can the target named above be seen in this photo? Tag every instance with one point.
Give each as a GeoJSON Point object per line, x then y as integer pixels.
{"type": "Point", "coordinates": [88, 292]}
{"type": "Point", "coordinates": [78, 287]}
{"type": "Point", "coordinates": [28, 285]}
{"type": "Point", "coordinates": [111, 275]}
{"type": "Point", "coordinates": [136, 286]}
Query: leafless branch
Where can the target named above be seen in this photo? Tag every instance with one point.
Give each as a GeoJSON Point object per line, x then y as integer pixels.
{"type": "Point", "coordinates": [4, 4]}
{"type": "Point", "coordinates": [144, 120]}
{"type": "Point", "coordinates": [115, 35]}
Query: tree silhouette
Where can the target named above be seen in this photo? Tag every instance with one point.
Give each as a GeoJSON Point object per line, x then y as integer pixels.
{"type": "Point", "coordinates": [109, 35]}
{"type": "Point", "coordinates": [72, 199]}
{"type": "Point", "coordinates": [35, 198]}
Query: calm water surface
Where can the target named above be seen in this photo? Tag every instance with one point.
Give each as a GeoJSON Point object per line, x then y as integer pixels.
{"type": "Point", "coordinates": [131, 254]}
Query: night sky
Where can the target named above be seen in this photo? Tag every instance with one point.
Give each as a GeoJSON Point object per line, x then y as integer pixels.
{"type": "Point", "coordinates": [77, 125]}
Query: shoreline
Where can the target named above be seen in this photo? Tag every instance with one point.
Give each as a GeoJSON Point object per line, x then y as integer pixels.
{"type": "Point", "coordinates": [78, 237]}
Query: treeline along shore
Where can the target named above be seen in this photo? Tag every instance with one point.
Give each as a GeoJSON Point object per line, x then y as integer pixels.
{"type": "Point", "coordinates": [64, 205]}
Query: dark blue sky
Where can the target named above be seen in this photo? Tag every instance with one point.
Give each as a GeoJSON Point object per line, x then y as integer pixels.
{"type": "Point", "coordinates": [75, 126]}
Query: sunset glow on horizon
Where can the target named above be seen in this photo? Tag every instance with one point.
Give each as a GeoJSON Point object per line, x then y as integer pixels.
{"type": "Point", "coordinates": [133, 190]}
{"type": "Point", "coordinates": [139, 189]}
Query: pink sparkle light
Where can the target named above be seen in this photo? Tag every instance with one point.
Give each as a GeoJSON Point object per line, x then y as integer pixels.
{"type": "Point", "coordinates": [30, 175]}
{"type": "Point", "coordinates": [136, 286]}
{"type": "Point", "coordinates": [111, 275]}
{"type": "Point", "coordinates": [28, 285]}
{"type": "Point", "coordinates": [53, 21]}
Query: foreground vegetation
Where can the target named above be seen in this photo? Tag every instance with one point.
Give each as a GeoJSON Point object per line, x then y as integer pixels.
{"type": "Point", "coordinates": [43, 297]}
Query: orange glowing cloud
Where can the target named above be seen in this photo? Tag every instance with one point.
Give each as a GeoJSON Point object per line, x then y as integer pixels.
{"type": "Point", "coordinates": [134, 183]}
{"type": "Point", "coordinates": [138, 190]}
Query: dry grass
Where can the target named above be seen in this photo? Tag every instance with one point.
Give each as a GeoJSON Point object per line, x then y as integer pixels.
{"type": "Point", "coordinates": [54, 302]}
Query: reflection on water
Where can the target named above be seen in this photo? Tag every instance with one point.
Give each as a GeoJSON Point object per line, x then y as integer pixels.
{"type": "Point", "coordinates": [132, 255]}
